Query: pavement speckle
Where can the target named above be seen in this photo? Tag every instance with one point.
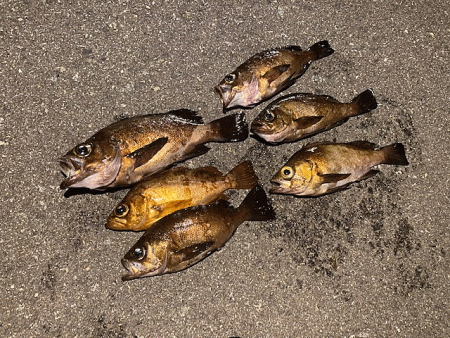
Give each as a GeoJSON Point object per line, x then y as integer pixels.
{"type": "Point", "coordinates": [371, 261]}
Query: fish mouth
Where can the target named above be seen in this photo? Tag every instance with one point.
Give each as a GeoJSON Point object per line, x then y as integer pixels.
{"type": "Point", "coordinates": [270, 135]}
{"type": "Point", "coordinates": [278, 188]}
{"type": "Point", "coordinates": [114, 224]}
{"type": "Point", "coordinates": [70, 168]}
{"type": "Point", "coordinates": [81, 175]}
{"type": "Point", "coordinates": [281, 188]}
{"type": "Point", "coordinates": [260, 127]}
{"type": "Point", "coordinates": [135, 271]}
{"type": "Point", "coordinates": [225, 96]}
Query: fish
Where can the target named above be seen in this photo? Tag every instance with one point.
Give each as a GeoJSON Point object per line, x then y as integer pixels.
{"type": "Point", "coordinates": [174, 189]}
{"type": "Point", "coordinates": [181, 239]}
{"type": "Point", "coordinates": [132, 149]}
{"type": "Point", "coordinates": [267, 73]}
{"type": "Point", "coordinates": [297, 116]}
{"type": "Point", "coordinates": [322, 168]}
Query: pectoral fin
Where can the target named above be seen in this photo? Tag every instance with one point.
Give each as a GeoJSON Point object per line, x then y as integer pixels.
{"type": "Point", "coordinates": [274, 73]}
{"type": "Point", "coordinates": [146, 153]}
{"type": "Point", "coordinates": [172, 206]}
{"type": "Point", "coordinates": [191, 252]}
{"type": "Point", "coordinates": [307, 121]}
{"type": "Point", "coordinates": [333, 178]}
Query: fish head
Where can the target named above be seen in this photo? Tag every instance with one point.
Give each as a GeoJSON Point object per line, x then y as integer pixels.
{"type": "Point", "coordinates": [239, 88]}
{"type": "Point", "coordinates": [130, 213]}
{"type": "Point", "coordinates": [293, 178]}
{"type": "Point", "coordinates": [90, 164]}
{"type": "Point", "coordinates": [145, 259]}
{"type": "Point", "coordinates": [273, 124]}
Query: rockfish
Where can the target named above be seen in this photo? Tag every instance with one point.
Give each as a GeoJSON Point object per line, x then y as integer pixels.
{"type": "Point", "coordinates": [321, 168]}
{"type": "Point", "coordinates": [267, 73]}
{"type": "Point", "coordinates": [185, 237]}
{"type": "Point", "coordinates": [294, 117]}
{"type": "Point", "coordinates": [174, 189]}
{"type": "Point", "coordinates": [132, 149]}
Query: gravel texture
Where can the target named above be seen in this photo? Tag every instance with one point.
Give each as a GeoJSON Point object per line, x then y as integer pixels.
{"type": "Point", "coordinates": [371, 261]}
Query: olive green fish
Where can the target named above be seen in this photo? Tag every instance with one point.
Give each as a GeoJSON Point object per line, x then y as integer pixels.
{"type": "Point", "coordinates": [267, 73]}
{"type": "Point", "coordinates": [132, 149]}
{"type": "Point", "coordinates": [321, 168]}
{"type": "Point", "coordinates": [174, 189]}
{"type": "Point", "coordinates": [185, 237]}
{"type": "Point", "coordinates": [294, 117]}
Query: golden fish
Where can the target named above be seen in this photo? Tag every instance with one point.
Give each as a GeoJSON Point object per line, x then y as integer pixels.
{"type": "Point", "coordinates": [293, 117]}
{"type": "Point", "coordinates": [185, 237]}
{"type": "Point", "coordinates": [321, 168]}
{"type": "Point", "coordinates": [132, 149]}
{"type": "Point", "coordinates": [267, 73]}
{"type": "Point", "coordinates": [175, 189]}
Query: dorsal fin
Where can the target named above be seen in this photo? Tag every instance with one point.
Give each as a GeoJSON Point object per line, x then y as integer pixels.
{"type": "Point", "coordinates": [293, 48]}
{"type": "Point", "coordinates": [189, 116]}
{"type": "Point", "coordinates": [362, 145]}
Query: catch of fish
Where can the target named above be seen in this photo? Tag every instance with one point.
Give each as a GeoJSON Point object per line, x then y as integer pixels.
{"type": "Point", "coordinates": [185, 212]}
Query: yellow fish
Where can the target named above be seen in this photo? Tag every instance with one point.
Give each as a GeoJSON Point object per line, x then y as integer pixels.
{"type": "Point", "coordinates": [321, 168]}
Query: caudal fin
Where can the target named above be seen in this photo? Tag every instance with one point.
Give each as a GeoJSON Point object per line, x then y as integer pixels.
{"type": "Point", "coordinates": [231, 128]}
{"type": "Point", "coordinates": [394, 154]}
{"type": "Point", "coordinates": [364, 102]}
{"type": "Point", "coordinates": [256, 206]}
{"type": "Point", "coordinates": [321, 49]}
{"type": "Point", "coordinates": [243, 176]}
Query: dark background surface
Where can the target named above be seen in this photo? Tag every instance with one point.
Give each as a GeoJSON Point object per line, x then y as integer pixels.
{"type": "Point", "coordinates": [372, 261]}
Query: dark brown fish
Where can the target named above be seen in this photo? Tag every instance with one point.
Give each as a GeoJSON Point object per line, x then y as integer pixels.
{"type": "Point", "coordinates": [132, 149]}
{"type": "Point", "coordinates": [321, 168]}
{"type": "Point", "coordinates": [175, 189]}
{"type": "Point", "coordinates": [185, 237]}
{"type": "Point", "coordinates": [294, 117]}
{"type": "Point", "coordinates": [267, 73]}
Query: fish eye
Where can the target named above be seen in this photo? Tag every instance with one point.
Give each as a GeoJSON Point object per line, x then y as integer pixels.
{"type": "Point", "coordinates": [121, 210]}
{"type": "Point", "coordinates": [287, 172]}
{"type": "Point", "coordinates": [138, 253]}
{"type": "Point", "coordinates": [230, 78]}
{"type": "Point", "coordinates": [269, 116]}
{"type": "Point", "coordinates": [83, 150]}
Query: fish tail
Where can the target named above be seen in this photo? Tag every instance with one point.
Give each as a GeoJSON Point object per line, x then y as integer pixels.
{"type": "Point", "coordinates": [394, 154]}
{"type": "Point", "coordinates": [364, 102]}
{"type": "Point", "coordinates": [231, 128]}
{"type": "Point", "coordinates": [256, 206]}
{"type": "Point", "coordinates": [243, 176]}
{"type": "Point", "coordinates": [321, 49]}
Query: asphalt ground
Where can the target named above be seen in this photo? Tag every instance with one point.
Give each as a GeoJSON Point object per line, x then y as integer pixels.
{"type": "Point", "coordinates": [371, 261]}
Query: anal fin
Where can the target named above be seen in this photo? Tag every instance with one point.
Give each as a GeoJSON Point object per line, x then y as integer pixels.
{"type": "Point", "coordinates": [201, 149]}
{"type": "Point", "coordinates": [369, 174]}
